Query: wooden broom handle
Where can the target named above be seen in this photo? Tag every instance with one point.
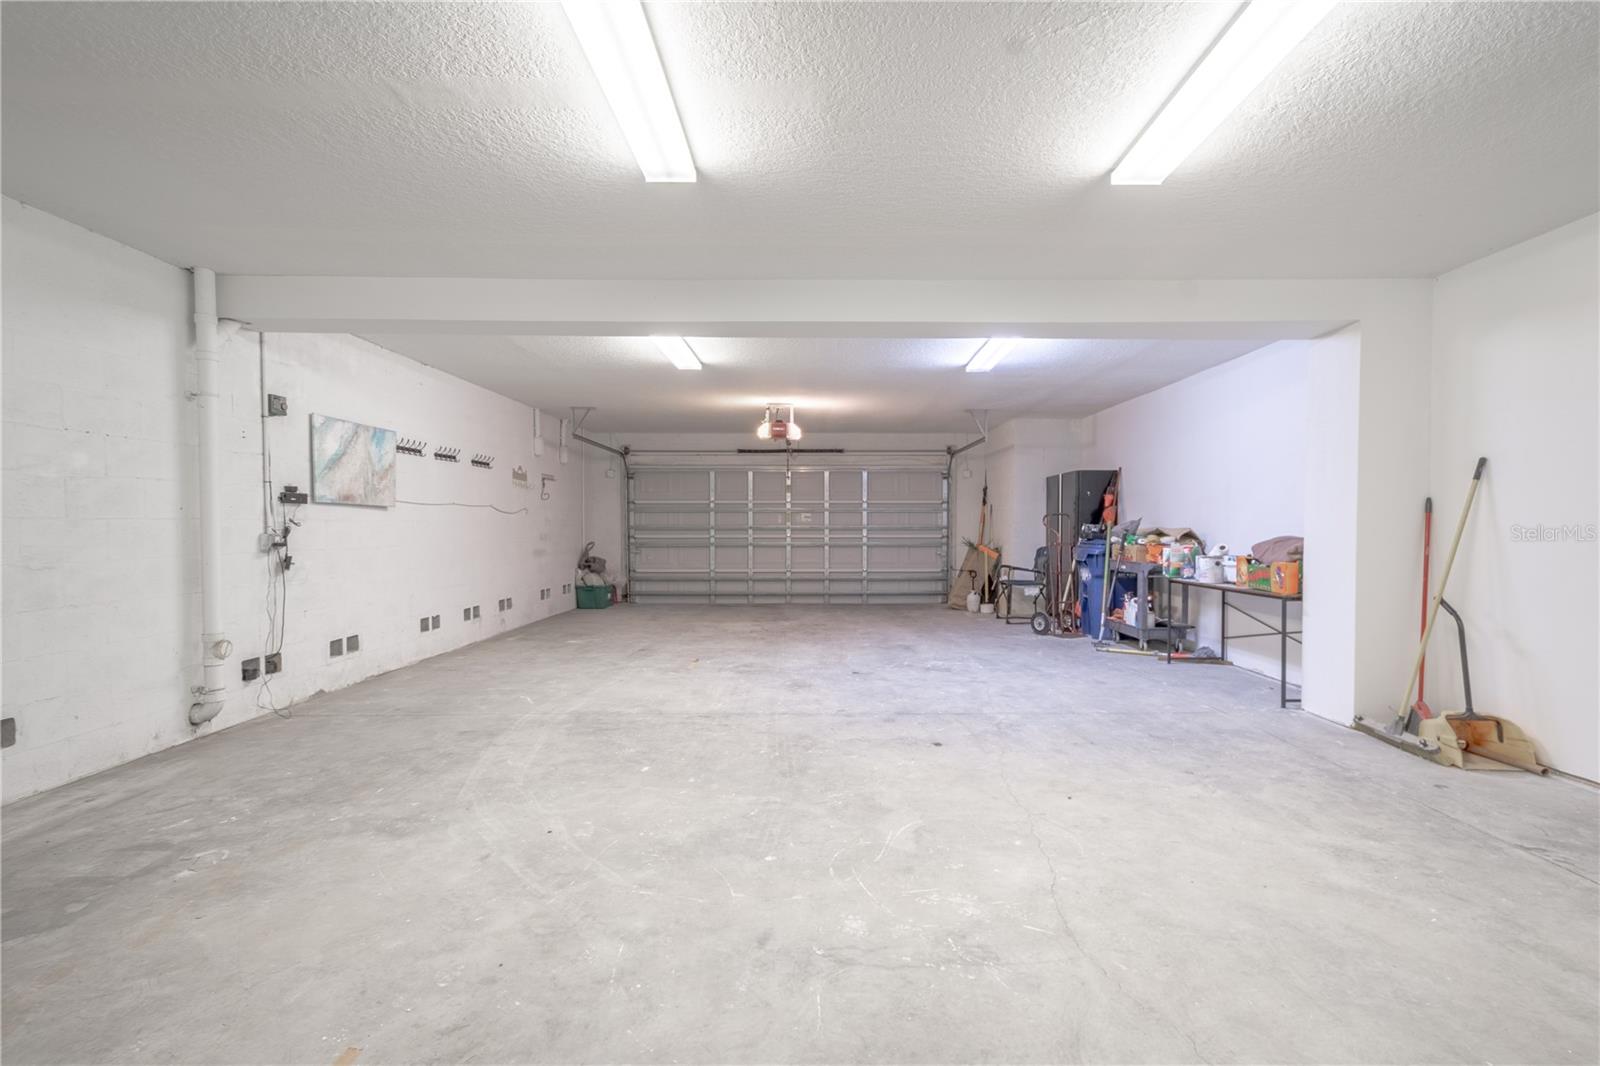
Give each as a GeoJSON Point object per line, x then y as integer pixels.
{"type": "Point", "coordinates": [1404, 710]}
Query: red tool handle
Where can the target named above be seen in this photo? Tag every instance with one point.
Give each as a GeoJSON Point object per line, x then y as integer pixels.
{"type": "Point", "coordinates": [1427, 557]}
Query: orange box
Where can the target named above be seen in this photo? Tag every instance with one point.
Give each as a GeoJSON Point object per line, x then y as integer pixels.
{"type": "Point", "coordinates": [1286, 579]}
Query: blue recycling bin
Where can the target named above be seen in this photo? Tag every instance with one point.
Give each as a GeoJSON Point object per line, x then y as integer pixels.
{"type": "Point", "coordinates": [1090, 557]}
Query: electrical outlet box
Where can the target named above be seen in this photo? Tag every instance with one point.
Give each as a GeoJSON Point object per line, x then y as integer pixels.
{"type": "Point", "coordinates": [250, 669]}
{"type": "Point", "coordinates": [265, 542]}
{"type": "Point", "coordinates": [274, 662]}
{"type": "Point", "coordinates": [277, 405]}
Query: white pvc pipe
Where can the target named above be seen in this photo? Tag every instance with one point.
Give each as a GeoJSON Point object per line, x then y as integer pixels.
{"type": "Point", "coordinates": [215, 646]}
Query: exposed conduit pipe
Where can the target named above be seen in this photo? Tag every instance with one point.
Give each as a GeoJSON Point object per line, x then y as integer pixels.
{"type": "Point", "coordinates": [209, 337]}
{"type": "Point", "coordinates": [581, 439]}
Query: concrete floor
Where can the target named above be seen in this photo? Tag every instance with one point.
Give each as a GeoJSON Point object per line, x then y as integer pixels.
{"type": "Point", "coordinates": [847, 835]}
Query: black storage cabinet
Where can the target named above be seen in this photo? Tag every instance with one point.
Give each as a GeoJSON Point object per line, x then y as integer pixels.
{"type": "Point", "coordinates": [1074, 499]}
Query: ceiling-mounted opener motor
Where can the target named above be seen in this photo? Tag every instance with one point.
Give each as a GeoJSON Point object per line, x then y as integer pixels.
{"type": "Point", "coordinates": [784, 429]}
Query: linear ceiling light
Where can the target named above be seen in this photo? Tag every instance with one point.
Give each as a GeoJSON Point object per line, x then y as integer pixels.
{"type": "Point", "coordinates": [677, 349]}
{"type": "Point", "coordinates": [994, 349]}
{"type": "Point", "coordinates": [1256, 41]}
{"type": "Point", "coordinates": [616, 39]}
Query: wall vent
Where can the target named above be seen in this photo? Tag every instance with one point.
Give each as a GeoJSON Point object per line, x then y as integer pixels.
{"type": "Point", "coordinates": [335, 647]}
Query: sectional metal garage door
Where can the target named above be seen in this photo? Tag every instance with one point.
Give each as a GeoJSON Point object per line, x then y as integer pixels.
{"type": "Point", "coordinates": [753, 532]}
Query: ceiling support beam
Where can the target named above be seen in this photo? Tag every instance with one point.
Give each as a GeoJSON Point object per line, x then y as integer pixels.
{"type": "Point", "coordinates": [1270, 310]}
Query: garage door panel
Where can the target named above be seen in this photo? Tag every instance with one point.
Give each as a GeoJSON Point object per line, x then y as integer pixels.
{"type": "Point", "coordinates": [808, 558]}
{"type": "Point", "coordinates": [844, 486]}
{"type": "Point", "coordinates": [669, 522]}
{"type": "Point", "coordinates": [676, 559]}
{"type": "Point", "coordinates": [740, 534]}
{"type": "Point", "coordinates": [807, 487]}
{"type": "Point", "coordinates": [731, 558]}
{"type": "Point", "coordinates": [675, 485]}
{"type": "Point", "coordinates": [845, 561]}
{"type": "Point", "coordinates": [768, 486]}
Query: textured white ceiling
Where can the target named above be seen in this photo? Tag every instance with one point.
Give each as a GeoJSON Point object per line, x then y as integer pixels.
{"type": "Point", "coordinates": [838, 384]}
{"type": "Point", "coordinates": [908, 140]}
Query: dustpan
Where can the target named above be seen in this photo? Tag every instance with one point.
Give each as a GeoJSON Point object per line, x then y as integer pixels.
{"type": "Point", "coordinates": [1473, 741]}
{"type": "Point", "coordinates": [1481, 742]}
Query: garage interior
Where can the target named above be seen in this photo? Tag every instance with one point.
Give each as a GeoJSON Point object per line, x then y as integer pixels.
{"type": "Point", "coordinates": [778, 532]}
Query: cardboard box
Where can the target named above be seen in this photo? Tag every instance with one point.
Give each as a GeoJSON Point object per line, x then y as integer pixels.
{"type": "Point", "coordinates": [1286, 579]}
{"type": "Point", "coordinates": [1253, 574]}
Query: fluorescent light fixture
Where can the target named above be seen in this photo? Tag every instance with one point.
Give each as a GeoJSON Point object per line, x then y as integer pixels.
{"type": "Point", "coordinates": [1255, 42]}
{"type": "Point", "coordinates": [677, 349]}
{"type": "Point", "coordinates": [994, 349]}
{"type": "Point", "coordinates": [616, 39]}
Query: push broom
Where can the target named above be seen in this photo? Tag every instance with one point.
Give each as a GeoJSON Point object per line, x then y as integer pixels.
{"type": "Point", "coordinates": [1394, 730]}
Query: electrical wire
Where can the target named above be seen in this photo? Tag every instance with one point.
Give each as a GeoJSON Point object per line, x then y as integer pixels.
{"type": "Point", "coordinates": [277, 591]}
{"type": "Point", "coordinates": [453, 503]}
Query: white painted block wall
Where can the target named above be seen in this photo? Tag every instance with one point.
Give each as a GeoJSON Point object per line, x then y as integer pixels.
{"type": "Point", "coordinates": [1516, 372]}
{"type": "Point", "coordinates": [1020, 454]}
{"type": "Point", "coordinates": [459, 537]}
{"type": "Point", "coordinates": [101, 578]}
{"type": "Point", "coordinates": [101, 623]}
{"type": "Point", "coordinates": [1224, 453]}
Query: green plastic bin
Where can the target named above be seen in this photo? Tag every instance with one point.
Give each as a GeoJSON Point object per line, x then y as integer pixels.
{"type": "Point", "coordinates": [594, 597]}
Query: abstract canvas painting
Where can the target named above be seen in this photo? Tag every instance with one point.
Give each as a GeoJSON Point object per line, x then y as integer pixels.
{"type": "Point", "coordinates": [351, 463]}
